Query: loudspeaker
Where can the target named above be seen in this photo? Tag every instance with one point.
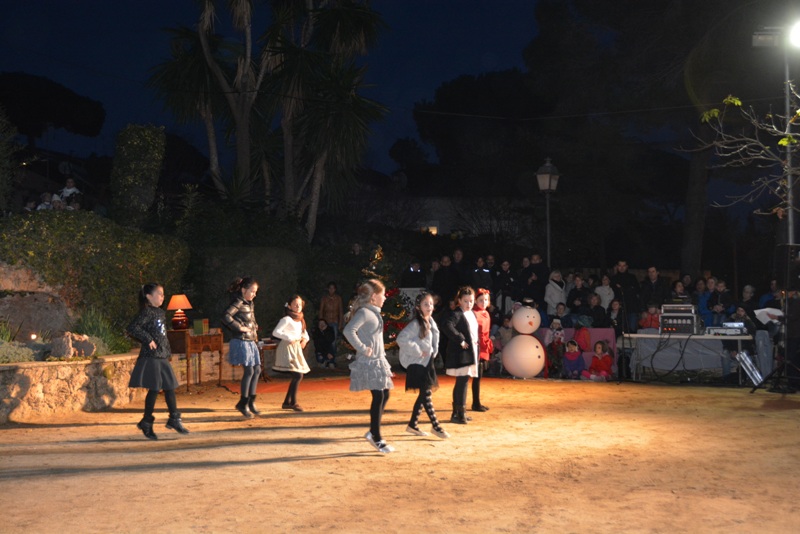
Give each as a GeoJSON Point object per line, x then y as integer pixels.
{"type": "Point", "coordinates": [787, 266]}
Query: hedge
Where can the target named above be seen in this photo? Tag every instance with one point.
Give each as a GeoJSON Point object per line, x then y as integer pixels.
{"type": "Point", "coordinates": [93, 261]}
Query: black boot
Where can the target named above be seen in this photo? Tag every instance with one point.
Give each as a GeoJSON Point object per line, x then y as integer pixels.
{"type": "Point", "coordinates": [458, 416]}
{"type": "Point", "coordinates": [479, 407]}
{"type": "Point", "coordinates": [146, 426]}
{"type": "Point", "coordinates": [242, 407]}
{"type": "Point", "coordinates": [252, 405]}
{"type": "Point", "coordinates": [174, 423]}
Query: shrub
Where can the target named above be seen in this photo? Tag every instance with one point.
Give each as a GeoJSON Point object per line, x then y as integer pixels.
{"type": "Point", "coordinates": [6, 332]}
{"type": "Point", "coordinates": [91, 260]}
{"type": "Point", "coordinates": [137, 165]}
{"type": "Point", "coordinates": [106, 338]}
{"type": "Point", "coordinates": [14, 352]}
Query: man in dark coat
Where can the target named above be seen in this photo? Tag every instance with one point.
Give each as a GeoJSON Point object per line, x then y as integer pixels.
{"type": "Point", "coordinates": [654, 289]}
{"type": "Point", "coordinates": [626, 289]}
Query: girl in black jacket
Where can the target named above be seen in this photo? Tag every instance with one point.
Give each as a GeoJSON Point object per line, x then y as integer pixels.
{"type": "Point", "coordinates": [153, 369]}
{"type": "Point", "coordinates": [461, 361]}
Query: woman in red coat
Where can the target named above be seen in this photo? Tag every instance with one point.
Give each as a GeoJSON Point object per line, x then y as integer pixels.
{"type": "Point", "coordinates": [485, 345]}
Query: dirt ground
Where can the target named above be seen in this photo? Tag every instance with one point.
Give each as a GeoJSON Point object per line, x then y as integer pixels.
{"type": "Point", "coordinates": [550, 456]}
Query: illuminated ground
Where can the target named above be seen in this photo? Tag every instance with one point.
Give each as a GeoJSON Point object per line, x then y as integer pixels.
{"type": "Point", "coordinates": [550, 456]}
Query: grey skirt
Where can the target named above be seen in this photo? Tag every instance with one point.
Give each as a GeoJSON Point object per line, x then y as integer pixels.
{"type": "Point", "coordinates": [370, 373]}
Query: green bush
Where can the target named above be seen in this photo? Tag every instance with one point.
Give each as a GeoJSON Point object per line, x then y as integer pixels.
{"type": "Point", "coordinates": [6, 332]}
{"type": "Point", "coordinates": [137, 166]}
{"type": "Point", "coordinates": [14, 352]}
{"type": "Point", "coordinates": [107, 339]}
{"type": "Point", "coordinates": [93, 261]}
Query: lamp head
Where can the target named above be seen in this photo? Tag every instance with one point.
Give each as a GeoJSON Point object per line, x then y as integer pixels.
{"type": "Point", "coordinates": [179, 303]}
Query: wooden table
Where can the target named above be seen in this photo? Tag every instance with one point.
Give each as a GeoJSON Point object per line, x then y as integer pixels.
{"type": "Point", "coordinates": [264, 348]}
{"type": "Point", "coordinates": [185, 342]}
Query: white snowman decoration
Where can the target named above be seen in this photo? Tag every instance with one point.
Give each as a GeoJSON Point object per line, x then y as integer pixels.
{"type": "Point", "coordinates": [524, 355]}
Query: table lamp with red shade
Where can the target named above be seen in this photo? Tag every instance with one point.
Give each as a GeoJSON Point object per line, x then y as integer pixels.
{"type": "Point", "coordinates": [179, 303]}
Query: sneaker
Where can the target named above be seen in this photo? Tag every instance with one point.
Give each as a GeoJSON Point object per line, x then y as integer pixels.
{"type": "Point", "coordinates": [416, 431]}
{"type": "Point", "coordinates": [287, 406]}
{"type": "Point", "coordinates": [368, 437]}
{"type": "Point", "coordinates": [441, 434]}
{"type": "Point", "coordinates": [384, 447]}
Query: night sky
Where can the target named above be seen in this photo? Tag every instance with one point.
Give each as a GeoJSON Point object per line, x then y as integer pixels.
{"type": "Point", "coordinates": [104, 49]}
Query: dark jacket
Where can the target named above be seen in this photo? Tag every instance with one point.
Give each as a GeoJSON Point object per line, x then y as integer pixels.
{"type": "Point", "coordinates": [445, 282]}
{"type": "Point", "coordinates": [151, 325]}
{"type": "Point", "coordinates": [240, 314]}
{"type": "Point", "coordinates": [323, 341]}
{"type": "Point", "coordinates": [654, 293]}
{"type": "Point", "coordinates": [482, 277]}
{"type": "Point", "coordinates": [456, 329]}
{"type": "Point", "coordinates": [626, 289]}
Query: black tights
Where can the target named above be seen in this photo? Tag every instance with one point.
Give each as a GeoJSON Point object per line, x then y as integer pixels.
{"type": "Point", "coordinates": [291, 394]}
{"type": "Point", "coordinates": [476, 386]}
{"type": "Point", "coordinates": [379, 399]}
{"type": "Point", "coordinates": [460, 391]}
{"type": "Point", "coordinates": [150, 402]}
{"type": "Point", "coordinates": [424, 401]}
{"type": "Point", "coordinates": [250, 379]}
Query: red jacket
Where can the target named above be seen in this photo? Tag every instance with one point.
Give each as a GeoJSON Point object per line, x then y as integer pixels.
{"type": "Point", "coordinates": [603, 363]}
{"type": "Point", "coordinates": [485, 345]}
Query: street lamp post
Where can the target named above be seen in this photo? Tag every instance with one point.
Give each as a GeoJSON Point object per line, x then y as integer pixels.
{"type": "Point", "coordinates": [547, 177]}
{"type": "Point", "coordinates": [775, 36]}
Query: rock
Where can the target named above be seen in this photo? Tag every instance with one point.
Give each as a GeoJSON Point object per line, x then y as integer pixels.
{"type": "Point", "coordinates": [71, 345]}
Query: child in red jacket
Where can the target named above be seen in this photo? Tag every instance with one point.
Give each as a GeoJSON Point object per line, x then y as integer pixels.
{"type": "Point", "coordinates": [485, 345]}
{"type": "Point", "coordinates": [600, 368]}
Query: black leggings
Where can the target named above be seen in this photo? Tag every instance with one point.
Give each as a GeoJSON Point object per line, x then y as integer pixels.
{"type": "Point", "coordinates": [460, 391]}
{"type": "Point", "coordinates": [150, 402]}
{"type": "Point", "coordinates": [476, 386]}
{"type": "Point", "coordinates": [424, 401]}
{"type": "Point", "coordinates": [379, 399]}
{"type": "Point", "coordinates": [250, 379]}
{"type": "Point", "coordinates": [291, 394]}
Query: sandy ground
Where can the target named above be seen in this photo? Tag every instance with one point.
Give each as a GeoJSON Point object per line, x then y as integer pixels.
{"type": "Point", "coordinates": [550, 456]}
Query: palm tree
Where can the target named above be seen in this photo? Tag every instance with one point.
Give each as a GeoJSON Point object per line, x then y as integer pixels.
{"type": "Point", "coordinates": [305, 75]}
{"type": "Point", "coordinates": [187, 87]}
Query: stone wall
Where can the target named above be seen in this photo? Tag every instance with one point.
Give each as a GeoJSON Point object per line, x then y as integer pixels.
{"type": "Point", "coordinates": [33, 391]}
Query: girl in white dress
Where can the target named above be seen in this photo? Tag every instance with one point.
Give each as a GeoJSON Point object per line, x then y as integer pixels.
{"type": "Point", "coordinates": [289, 357]}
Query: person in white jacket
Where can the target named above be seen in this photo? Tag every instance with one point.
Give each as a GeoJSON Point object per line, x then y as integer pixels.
{"type": "Point", "coordinates": [370, 370]}
{"type": "Point", "coordinates": [418, 343]}
{"type": "Point", "coordinates": [554, 292]}
{"type": "Point", "coordinates": [289, 357]}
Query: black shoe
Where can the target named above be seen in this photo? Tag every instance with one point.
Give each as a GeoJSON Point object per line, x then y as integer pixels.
{"type": "Point", "coordinates": [174, 423]}
{"type": "Point", "coordinates": [242, 407]}
{"type": "Point", "coordinates": [479, 408]}
{"type": "Point", "coordinates": [252, 405]}
{"type": "Point", "coordinates": [146, 426]}
{"type": "Point", "coordinates": [459, 416]}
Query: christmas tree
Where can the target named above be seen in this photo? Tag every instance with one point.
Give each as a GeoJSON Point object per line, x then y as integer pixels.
{"type": "Point", "coordinates": [396, 311]}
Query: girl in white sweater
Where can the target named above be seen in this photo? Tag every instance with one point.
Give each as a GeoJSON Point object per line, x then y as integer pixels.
{"type": "Point", "coordinates": [289, 358]}
{"type": "Point", "coordinates": [419, 343]}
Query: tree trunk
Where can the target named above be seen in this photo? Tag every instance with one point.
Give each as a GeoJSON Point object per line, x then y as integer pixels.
{"type": "Point", "coordinates": [696, 205]}
{"type": "Point", "coordinates": [316, 189]}
{"type": "Point", "coordinates": [213, 153]}
{"type": "Point", "coordinates": [288, 168]}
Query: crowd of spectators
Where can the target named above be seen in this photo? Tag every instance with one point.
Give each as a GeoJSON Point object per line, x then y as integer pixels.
{"type": "Point", "coordinates": [614, 299]}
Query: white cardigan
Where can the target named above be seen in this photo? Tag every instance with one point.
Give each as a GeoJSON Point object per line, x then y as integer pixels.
{"type": "Point", "coordinates": [415, 350]}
